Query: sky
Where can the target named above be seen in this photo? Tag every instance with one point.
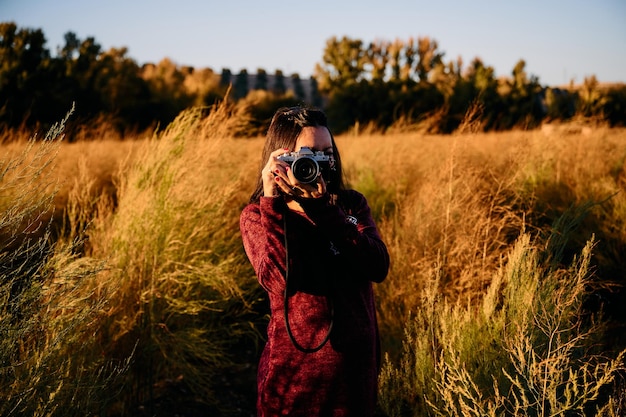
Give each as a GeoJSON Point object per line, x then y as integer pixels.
{"type": "Point", "coordinates": [560, 40]}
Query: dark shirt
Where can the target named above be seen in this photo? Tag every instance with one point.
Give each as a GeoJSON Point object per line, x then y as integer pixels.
{"type": "Point", "coordinates": [332, 264]}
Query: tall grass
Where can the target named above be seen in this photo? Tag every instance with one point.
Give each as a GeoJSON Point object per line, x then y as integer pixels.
{"type": "Point", "coordinates": [49, 309]}
{"type": "Point", "coordinates": [123, 271]}
{"type": "Point", "coordinates": [144, 292]}
{"type": "Point", "coordinates": [450, 209]}
{"type": "Point", "coordinates": [460, 202]}
{"type": "Point", "coordinates": [183, 302]}
{"type": "Point", "coordinates": [526, 349]}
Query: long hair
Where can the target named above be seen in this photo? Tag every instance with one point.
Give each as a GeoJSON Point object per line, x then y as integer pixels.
{"type": "Point", "coordinates": [285, 127]}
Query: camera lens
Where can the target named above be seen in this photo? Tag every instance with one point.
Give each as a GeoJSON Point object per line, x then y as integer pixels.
{"type": "Point", "coordinates": [305, 169]}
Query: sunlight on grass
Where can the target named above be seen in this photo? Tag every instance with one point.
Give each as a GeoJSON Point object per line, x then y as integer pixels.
{"type": "Point", "coordinates": [122, 270]}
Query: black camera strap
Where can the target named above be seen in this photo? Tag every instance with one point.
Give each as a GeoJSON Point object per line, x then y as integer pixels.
{"type": "Point", "coordinates": [286, 300]}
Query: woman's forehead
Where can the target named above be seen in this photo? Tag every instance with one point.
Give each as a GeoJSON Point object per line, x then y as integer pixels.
{"type": "Point", "coordinates": [314, 137]}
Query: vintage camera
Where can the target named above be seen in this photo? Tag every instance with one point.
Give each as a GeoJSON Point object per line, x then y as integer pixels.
{"type": "Point", "coordinates": [306, 165]}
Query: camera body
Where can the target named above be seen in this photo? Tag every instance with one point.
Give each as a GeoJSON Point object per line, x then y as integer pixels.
{"type": "Point", "coordinates": [306, 165]}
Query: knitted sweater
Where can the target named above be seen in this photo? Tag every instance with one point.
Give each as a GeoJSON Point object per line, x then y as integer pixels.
{"type": "Point", "coordinates": [334, 256]}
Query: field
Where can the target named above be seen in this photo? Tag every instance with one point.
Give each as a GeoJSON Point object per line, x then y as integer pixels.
{"type": "Point", "coordinates": [125, 289]}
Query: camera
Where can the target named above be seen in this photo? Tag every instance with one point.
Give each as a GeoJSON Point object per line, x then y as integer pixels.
{"type": "Point", "coordinates": [306, 165]}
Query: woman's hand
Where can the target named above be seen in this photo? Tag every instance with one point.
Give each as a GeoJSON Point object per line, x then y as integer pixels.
{"type": "Point", "coordinates": [278, 178]}
{"type": "Point", "coordinates": [271, 171]}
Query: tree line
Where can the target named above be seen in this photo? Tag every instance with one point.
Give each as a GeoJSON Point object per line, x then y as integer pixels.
{"type": "Point", "coordinates": [386, 82]}
{"type": "Point", "coordinates": [380, 84]}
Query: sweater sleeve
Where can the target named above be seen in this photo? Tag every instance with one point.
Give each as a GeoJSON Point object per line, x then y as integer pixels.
{"type": "Point", "coordinates": [360, 244]}
{"type": "Point", "coordinates": [262, 234]}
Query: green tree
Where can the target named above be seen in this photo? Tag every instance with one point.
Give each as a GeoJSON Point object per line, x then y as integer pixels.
{"type": "Point", "coordinates": [23, 73]}
{"type": "Point", "coordinates": [615, 106]}
{"type": "Point", "coordinates": [343, 63]}
{"type": "Point", "coordinates": [357, 103]}
{"type": "Point", "coordinates": [521, 99]}
{"type": "Point", "coordinates": [559, 104]}
{"type": "Point", "coordinates": [168, 94]}
{"type": "Point", "coordinates": [590, 98]}
{"type": "Point", "coordinates": [202, 85]}
{"type": "Point", "coordinates": [84, 71]}
{"type": "Point", "coordinates": [445, 76]}
{"type": "Point", "coordinates": [110, 84]}
{"type": "Point", "coordinates": [69, 51]}
{"type": "Point", "coordinates": [377, 59]}
{"type": "Point", "coordinates": [429, 57]}
{"type": "Point", "coordinates": [484, 90]}
{"type": "Point", "coordinates": [123, 92]}
{"type": "Point", "coordinates": [386, 74]}
{"type": "Point", "coordinates": [395, 60]}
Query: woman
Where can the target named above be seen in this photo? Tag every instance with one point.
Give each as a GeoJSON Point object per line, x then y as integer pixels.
{"type": "Point", "coordinates": [316, 251]}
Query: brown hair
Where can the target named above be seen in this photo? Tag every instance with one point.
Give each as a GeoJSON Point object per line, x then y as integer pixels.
{"type": "Point", "coordinates": [285, 127]}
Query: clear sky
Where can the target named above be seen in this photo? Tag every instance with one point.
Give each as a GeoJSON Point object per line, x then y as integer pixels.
{"type": "Point", "coordinates": [560, 40]}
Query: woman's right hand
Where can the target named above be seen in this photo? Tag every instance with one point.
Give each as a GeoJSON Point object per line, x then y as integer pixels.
{"type": "Point", "coordinates": [273, 173]}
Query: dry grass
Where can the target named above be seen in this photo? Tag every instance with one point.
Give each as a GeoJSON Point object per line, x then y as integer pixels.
{"type": "Point", "coordinates": [461, 201]}
{"type": "Point", "coordinates": [155, 222]}
{"type": "Point", "coordinates": [526, 349]}
{"type": "Point", "coordinates": [49, 308]}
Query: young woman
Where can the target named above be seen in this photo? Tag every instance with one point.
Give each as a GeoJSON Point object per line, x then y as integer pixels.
{"type": "Point", "coordinates": [316, 251]}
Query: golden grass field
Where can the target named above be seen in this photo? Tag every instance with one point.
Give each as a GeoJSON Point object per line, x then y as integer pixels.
{"type": "Point", "coordinates": [148, 291]}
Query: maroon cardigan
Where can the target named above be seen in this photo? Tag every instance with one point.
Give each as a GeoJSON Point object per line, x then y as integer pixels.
{"type": "Point", "coordinates": [335, 253]}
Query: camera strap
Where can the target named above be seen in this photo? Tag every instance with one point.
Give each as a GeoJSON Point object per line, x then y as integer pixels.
{"type": "Point", "coordinates": [286, 302]}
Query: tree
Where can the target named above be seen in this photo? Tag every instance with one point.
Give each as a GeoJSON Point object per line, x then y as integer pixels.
{"type": "Point", "coordinates": [279, 83]}
{"type": "Point", "coordinates": [124, 94]}
{"type": "Point", "coordinates": [298, 89]}
{"type": "Point", "coordinates": [615, 106]}
{"type": "Point", "coordinates": [590, 99]}
{"type": "Point", "coordinates": [483, 89]}
{"type": "Point", "coordinates": [377, 59]}
{"type": "Point", "coordinates": [84, 71]}
{"type": "Point", "coordinates": [69, 51]}
{"type": "Point", "coordinates": [23, 73]}
{"type": "Point", "coordinates": [395, 59]}
{"type": "Point", "coordinates": [445, 76]}
{"type": "Point", "coordinates": [202, 85]}
{"type": "Point", "coordinates": [355, 103]}
{"type": "Point", "coordinates": [316, 97]}
{"type": "Point", "coordinates": [225, 79]}
{"type": "Point", "coordinates": [261, 79]}
{"type": "Point", "coordinates": [559, 104]}
{"type": "Point", "coordinates": [428, 57]}
{"type": "Point", "coordinates": [521, 99]}
{"type": "Point", "coordinates": [240, 88]}
{"type": "Point", "coordinates": [168, 94]}
{"type": "Point", "coordinates": [343, 63]}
